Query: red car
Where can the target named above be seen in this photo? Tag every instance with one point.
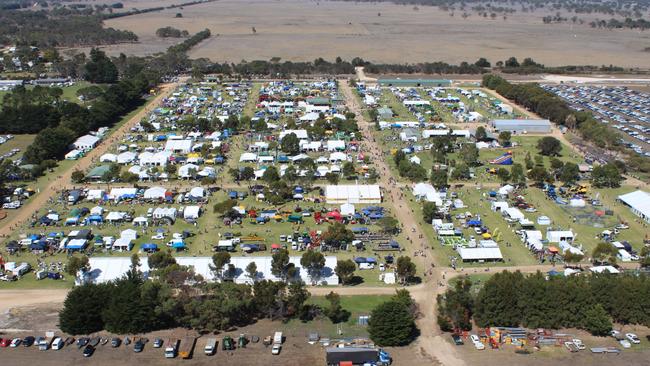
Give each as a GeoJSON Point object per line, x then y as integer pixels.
{"type": "Point", "coordinates": [5, 342]}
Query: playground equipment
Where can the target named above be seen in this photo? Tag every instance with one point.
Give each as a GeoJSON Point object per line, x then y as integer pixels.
{"type": "Point", "coordinates": [505, 159]}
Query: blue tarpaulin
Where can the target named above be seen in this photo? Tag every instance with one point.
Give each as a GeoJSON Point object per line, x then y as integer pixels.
{"type": "Point", "coordinates": [178, 245]}
{"type": "Point", "coordinates": [149, 247]}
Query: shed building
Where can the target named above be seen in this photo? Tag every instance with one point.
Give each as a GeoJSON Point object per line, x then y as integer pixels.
{"type": "Point", "coordinates": [522, 125]}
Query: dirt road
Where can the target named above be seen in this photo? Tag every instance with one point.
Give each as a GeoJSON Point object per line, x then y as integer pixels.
{"type": "Point", "coordinates": [430, 341]}
{"type": "Point", "coordinates": [63, 180]}
{"type": "Point", "coordinates": [19, 298]}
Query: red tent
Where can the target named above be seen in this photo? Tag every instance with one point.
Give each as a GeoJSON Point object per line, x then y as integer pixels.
{"type": "Point", "coordinates": [275, 246]}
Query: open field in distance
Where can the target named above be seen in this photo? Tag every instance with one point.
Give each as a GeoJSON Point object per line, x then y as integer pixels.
{"type": "Point", "coordinates": [297, 30]}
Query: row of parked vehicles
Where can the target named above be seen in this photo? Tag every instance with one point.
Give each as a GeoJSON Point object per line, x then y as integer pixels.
{"type": "Point", "coordinates": [174, 347]}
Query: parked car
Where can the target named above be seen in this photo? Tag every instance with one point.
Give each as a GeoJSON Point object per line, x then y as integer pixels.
{"type": "Point", "coordinates": [28, 341]}
{"type": "Point", "coordinates": [632, 338]}
{"type": "Point", "coordinates": [88, 351]}
{"type": "Point", "coordinates": [83, 341]}
{"type": "Point", "coordinates": [4, 342]}
{"type": "Point", "coordinates": [157, 343]}
{"type": "Point", "coordinates": [138, 346]}
{"type": "Point", "coordinates": [616, 334]}
{"type": "Point", "coordinates": [115, 342]}
{"type": "Point", "coordinates": [15, 342]}
{"type": "Point", "coordinates": [579, 344]}
{"type": "Point", "coordinates": [457, 340]}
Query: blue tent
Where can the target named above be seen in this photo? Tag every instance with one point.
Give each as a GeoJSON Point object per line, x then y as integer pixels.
{"type": "Point", "coordinates": [178, 245]}
{"type": "Point", "coordinates": [283, 159]}
{"type": "Point", "coordinates": [554, 273]}
{"type": "Point", "coordinates": [39, 245]}
{"type": "Point", "coordinates": [298, 189]}
{"type": "Point", "coordinates": [359, 230]}
{"type": "Point", "coordinates": [492, 193]}
{"type": "Point", "coordinates": [149, 247]}
{"type": "Point", "coordinates": [360, 260]}
{"type": "Point", "coordinates": [218, 160]}
{"type": "Point", "coordinates": [371, 260]}
{"type": "Point", "coordinates": [474, 223]}
{"type": "Point", "coordinates": [34, 237]}
{"type": "Point", "coordinates": [94, 218]}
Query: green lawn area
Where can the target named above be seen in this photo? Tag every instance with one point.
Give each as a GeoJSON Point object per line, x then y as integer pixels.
{"type": "Point", "coordinates": [18, 142]}
{"type": "Point", "coordinates": [356, 305]}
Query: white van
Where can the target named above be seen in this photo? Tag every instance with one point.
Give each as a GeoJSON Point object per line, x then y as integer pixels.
{"type": "Point", "coordinates": [57, 343]}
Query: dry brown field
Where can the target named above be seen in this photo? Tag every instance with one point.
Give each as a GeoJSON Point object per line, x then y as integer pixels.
{"type": "Point", "coordinates": [303, 30]}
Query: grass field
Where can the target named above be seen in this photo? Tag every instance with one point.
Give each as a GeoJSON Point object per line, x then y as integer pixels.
{"type": "Point", "coordinates": [356, 305]}
{"type": "Point", "coordinates": [381, 32]}
{"type": "Point", "coordinates": [18, 142]}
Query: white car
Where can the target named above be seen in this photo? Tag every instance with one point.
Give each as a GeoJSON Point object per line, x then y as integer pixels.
{"type": "Point", "coordinates": [625, 343]}
{"type": "Point", "coordinates": [15, 342]}
{"type": "Point", "coordinates": [477, 342]}
{"type": "Point", "coordinates": [616, 334]}
{"type": "Point", "coordinates": [632, 338]}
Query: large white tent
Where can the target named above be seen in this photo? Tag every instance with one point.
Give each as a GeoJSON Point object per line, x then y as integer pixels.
{"type": "Point", "coordinates": [104, 269]}
{"type": "Point", "coordinates": [352, 194]}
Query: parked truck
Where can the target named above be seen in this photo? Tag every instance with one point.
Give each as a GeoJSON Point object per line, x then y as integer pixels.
{"type": "Point", "coordinates": [172, 348]}
{"type": "Point", "coordinates": [210, 346]}
{"type": "Point", "coordinates": [277, 343]}
{"type": "Point", "coordinates": [187, 347]}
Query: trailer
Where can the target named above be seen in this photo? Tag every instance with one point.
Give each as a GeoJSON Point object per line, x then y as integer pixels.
{"type": "Point", "coordinates": [187, 347]}
{"type": "Point", "coordinates": [172, 348]}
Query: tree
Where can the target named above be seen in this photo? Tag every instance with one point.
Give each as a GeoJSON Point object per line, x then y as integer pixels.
{"type": "Point", "coordinates": [332, 178]}
{"type": "Point", "coordinates": [314, 262]}
{"type": "Point", "coordinates": [456, 306]}
{"type": "Point", "coordinates": [461, 171]}
{"type": "Point", "coordinates": [503, 174]}
{"type": "Point", "coordinates": [81, 309]}
{"type": "Point", "coordinates": [345, 270]}
{"type": "Point", "coordinates": [569, 173]}
{"type": "Point", "coordinates": [405, 269]}
{"type": "Point", "coordinates": [512, 62]}
{"type": "Point", "coordinates": [538, 174]}
{"type": "Point", "coordinates": [504, 138]}
{"type": "Point", "coordinates": [644, 257]}
{"type": "Point", "coordinates": [480, 134]}
{"type": "Point", "coordinates": [280, 264]}
{"type": "Point", "coordinates": [290, 144]}
{"type": "Point", "coordinates": [469, 154]}
{"type": "Point", "coordinates": [572, 258]}
{"type": "Point", "coordinates": [297, 296]}
{"type": "Point", "coordinates": [76, 264]}
{"type": "Point", "coordinates": [219, 260]}
{"type": "Point", "coordinates": [78, 176]}
{"type": "Point", "coordinates": [335, 311]}
{"type": "Point", "coordinates": [337, 234]}
{"type": "Point", "coordinates": [251, 271]}
{"type": "Point", "coordinates": [549, 146]}
{"type": "Point", "coordinates": [429, 212]}
{"type": "Point", "coordinates": [389, 225]}
{"type": "Point", "coordinates": [517, 174]}
{"type": "Point", "coordinates": [597, 321]}
{"type": "Point", "coordinates": [392, 324]}
{"type": "Point", "coordinates": [348, 169]}
{"type": "Point", "coordinates": [439, 178]}
{"type": "Point", "coordinates": [224, 206]}
{"type": "Point", "coordinates": [606, 176]}
{"type": "Point", "coordinates": [123, 313]}
{"type": "Point", "coordinates": [604, 253]}
{"type": "Point", "coordinates": [482, 62]}
{"type": "Point", "coordinates": [161, 259]}
{"type": "Point", "coordinates": [100, 69]}
{"type": "Point", "coordinates": [271, 175]}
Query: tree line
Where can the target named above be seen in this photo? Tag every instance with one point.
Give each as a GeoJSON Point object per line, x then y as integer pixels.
{"type": "Point", "coordinates": [175, 296]}
{"type": "Point", "coordinates": [512, 299]}
{"type": "Point", "coordinates": [43, 29]}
